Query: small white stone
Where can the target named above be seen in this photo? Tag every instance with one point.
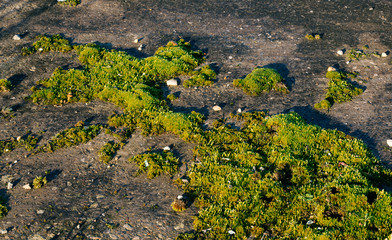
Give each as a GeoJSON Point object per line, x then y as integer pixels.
{"type": "Point", "coordinates": [310, 222]}
{"type": "Point", "coordinates": [146, 163]}
{"type": "Point", "coordinates": [230, 57]}
{"type": "Point", "coordinates": [179, 197]}
{"type": "Point", "coordinates": [216, 108]}
{"type": "Point", "coordinates": [136, 40]}
{"type": "Point", "coordinates": [167, 148]}
{"type": "Point", "coordinates": [127, 227]}
{"type": "Point", "coordinates": [10, 186]}
{"type": "Point", "coordinates": [239, 110]}
{"type": "Point", "coordinates": [61, 0]}
{"type": "Point", "coordinates": [40, 212]}
{"type": "Point", "coordinates": [331, 69]}
{"type": "Point", "coordinates": [16, 37]}
{"type": "Point", "coordinates": [371, 9]}
{"type": "Point", "coordinates": [18, 138]}
{"type": "Point", "coordinates": [140, 47]}
{"type": "Point", "coordinates": [40, 49]}
{"type": "Point", "coordinates": [27, 186]}
{"type": "Point", "coordinates": [384, 54]}
{"type": "Point", "coordinates": [99, 196]}
{"type": "Point", "coordinates": [3, 231]}
{"type": "Point", "coordinates": [172, 82]}
{"type": "Point", "coordinates": [340, 52]}
{"type": "Point", "coordinates": [389, 142]}
{"type": "Point", "coordinates": [231, 232]}
{"type": "Point", "coordinates": [347, 62]}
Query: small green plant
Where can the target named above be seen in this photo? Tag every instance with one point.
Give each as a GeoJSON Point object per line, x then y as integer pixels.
{"type": "Point", "coordinates": [107, 152]}
{"type": "Point", "coordinates": [171, 97]}
{"type": "Point", "coordinates": [179, 205]}
{"type": "Point", "coordinates": [313, 36]}
{"type": "Point", "coordinates": [201, 78]}
{"type": "Point", "coordinates": [358, 54]}
{"type": "Point", "coordinates": [261, 80]}
{"type": "Point", "coordinates": [39, 182]}
{"type": "Point", "coordinates": [5, 85]}
{"type": "Point", "coordinates": [29, 142]}
{"type": "Point", "coordinates": [46, 44]}
{"type": "Point", "coordinates": [3, 207]}
{"type": "Point", "coordinates": [70, 3]}
{"type": "Point", "coordinates": [156, 163]}
{"type": "Point", "coordinates": [71, 137]}
{"type": "Point", "coordinates": [339, 89]}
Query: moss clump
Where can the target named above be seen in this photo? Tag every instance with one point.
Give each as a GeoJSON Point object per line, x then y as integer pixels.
{"type": "Point", "coordinates": [282, 177]}
{"type": "Point", "coordinates": [5, 85]}
{"type": "Point", "coordinates": [313, 36]}
{"type": "Point", "coordinates": [71, 137]}
{"type": "Point", "coordinates": [339, 89]}
{"type": "Point", "coordinates": [179, 205]}
{"type": "Point", "coordinates": [46, 44]}
{"type": "Point", "coordinates": [39, 182]}
{"type": "Point", "coordinates": [261, 80]}
{"type": "Point", "coordinates": [201, 78]}
{"type": "Point", "coordinates": [3, 208]}
{"type": "Point", "coordinates": [156, 163]}
{"type": "Point", "coordinates": [358, 54]}
{"type": "Point", "coordinates": [107, 152]}
{"type": "Point", "coordinates": [171, 97]}
{"type": "Point", "coordinates": [70, 3]}
{"type": "Point", "coordinates": [29, 142]}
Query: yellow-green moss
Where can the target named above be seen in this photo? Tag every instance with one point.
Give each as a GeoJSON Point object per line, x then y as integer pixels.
{"type": "Point", "coordinates": [39, 182]}
{"type": "Point", "coordinates": [70, 3]}
{"type": "Point", "coordinates": [5, 85]}
{"type": "Point", "coordinates": [261, 80]}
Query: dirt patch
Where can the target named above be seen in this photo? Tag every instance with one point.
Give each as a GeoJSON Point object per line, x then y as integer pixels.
{"type": "Point", "coordinates": [84, 197]}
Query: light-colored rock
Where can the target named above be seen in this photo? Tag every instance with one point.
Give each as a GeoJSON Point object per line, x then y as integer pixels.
{"type": "Point", "coordinates": [36, 237]}
{"type": "Point", "coordinates": [16, 37]}
{"type": "Point", "coordinates": [136, 238]}
{"type": "Point", "coordinates": [179, 226]}
{"type": "Point", "coordinates": [128, 227]}
{"type": "Point", "coordinates": [389, 142]}
{"type": "Point", "coordinates": [331, 69]}
{"type": "Point", "coordinates": [167, 148]}
{"type": "Point", "coordinates": [239, 110]}
{"type": "Point", "coordinates": [40, 212]}
{"type": "Point", "coordinates": [216, 108]}
{"type": "Point", "coordinates": [172, 82]}
{"type": "Point", "coordinates": [7, 178]}
{"type": "Point", "coordinates": [112, 236]}
{"type": "Point", "coordinates": [99, 196]}
{"type": "Point", "coordinates": [27, 186]}
{"type": "Point", "coordinates": [384, 54]}
{"type": "Point", "coordinates": [340, 52]}
{"type": "Point", "coordinates": [3, 231]}
{"type": "Point", "coordinates": [140, 47]}
{"type": "Point", "coordinates": [136, 40]}
{"type": "Point", "coordinates": [94, 205]}
{"type": "Point", "coordinates": [10, 185]}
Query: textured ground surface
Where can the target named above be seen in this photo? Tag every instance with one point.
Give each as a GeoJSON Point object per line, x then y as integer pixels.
{"type": "Point", "coordinates": [85, 198]}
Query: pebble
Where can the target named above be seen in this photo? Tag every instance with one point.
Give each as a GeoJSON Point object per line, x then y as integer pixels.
{"type": "Point", "coordinates": [94, 205]}
{"type": "Point", "coordinates": [40, 212]}
{"type": "Point", "coordinates": [7, 178]}
{"type": "Point", "coordinates": [100, 196]}
{"type": "Point", "coordinates": [140, 47]}
{"type": "Point", "coordinates": [27, 186]}
{"type": "Point", "coordinates": [384, 54]}
{"type": "Point", "coordinates": [3, 231]}
{"type": "Point", "coordinates": [16, 37]}
{"type": "Point", "coordinates": [172, 82]}
{"type": "Point", "coordinates": [230, 57]}
{"type": "Point", "coordinates": [179, 226]}
{"type": "Point", "coordinates": [136, 40]}
{"type": "Point", "coordinates": [340, 52]}
{"type": "Point", "coordinates": [10, 186]}
{"type": "Point", "coordinates": [128, 227]}
{"type": "Point", "coordinates": [36, 237]}
{"type": "Point", "coordinates": [136, 238]}
{"type": "Point", "coordinates": [389, 142]}
{"type": "Point", "coordinates": [331, 69]}
{"type": "Point", "coordinates": [216, 108]}
{"type": "Point", "coordinates": [69, 184]}
{"type": "Point", "coordinates": [167, 148]}
{"type": "Point", "coordinates": [112, 236]}
{"type": "Point", "coordinates": [239, 110]}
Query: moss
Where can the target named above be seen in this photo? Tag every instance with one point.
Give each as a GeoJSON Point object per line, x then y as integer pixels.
{"type": "Point", "coordinates": [108, 150]}
{"type": "Point", "coordinates": [70, 3]}
{"type": "Point", "coordinates": [281, 176]}
{"type": "Point", "coordinates": [178, 205]}
{"type": "Point", "coordinates": [71, 137]}
{"type": "Point", "coordinates": [201, 78]}
{"type": "Point", "coordinates": [5, 85]}
{"type": "Point", "coordinates": [28, 141]}
{"type": "Point", "coordinates": [3, 207]}
{"type": "Point", "coordinates": [358, 54]}
{"type": "Point", "coordinates": [339, 89]}
{"type": "Point", "coordinates": [39, 182]}
{"type": "Point", "coordinates": [313, 36]}
{"type": "Point", "coordinates": [46, 44]}
{"type": "Point", "coordinates": [171, 97]}
{"type": "Point", "coordinates": [156, 163]}
{"type": "Point", "coordinates": [261, 80]}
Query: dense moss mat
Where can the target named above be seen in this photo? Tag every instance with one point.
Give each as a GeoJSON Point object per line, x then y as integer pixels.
{"type": "Point", "coordinates": [5, 85]}
{"type": "Point", "coordinates": [276, 177]}
{"type": "Point", "coordinates": [285, 179]}
{"type": "Point", "coordinates": [339, 89]}
{"type": "Point", "coordinates": [261, 80]}
{"type": "Point", "coordinates": [29, 142]}
{"type": "Point", "coordinates": [71, 3]}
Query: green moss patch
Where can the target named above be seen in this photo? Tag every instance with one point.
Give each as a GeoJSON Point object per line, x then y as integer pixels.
{"type": "Point", "coordinates": [3, 208]}
{"type": "Point", "coordinates": [108, 150]}
{"type": "Point", "coordinates": [29, 142]}
{"type": "Point", "coordinates": [339, 89]}
{"type": "Point", "coordinates": [283, 178]}
{"type": "Point", "coordinates": [201, 78]}
{"type": "Point", "coordinates": [70, 3]}
{"type": "Point", "coordinates": [55, 43]}
{"type": "Point", "coordinates": [156, 163]}
{"type": "Point", "coordinates": [261, 80]}
{"type": "Point", "coordinates": [358, 54]}
{"type": "Point", "coordinates": [5, 85]}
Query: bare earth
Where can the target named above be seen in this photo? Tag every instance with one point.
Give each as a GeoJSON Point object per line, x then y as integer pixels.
{"type": "Point", "coordinates": [86, 199]}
